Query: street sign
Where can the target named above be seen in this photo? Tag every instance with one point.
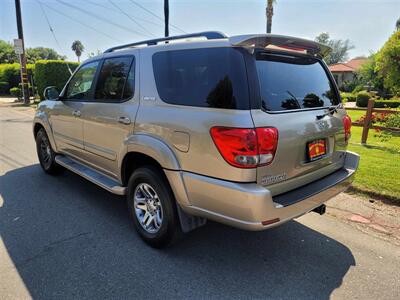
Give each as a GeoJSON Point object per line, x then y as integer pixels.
{"type": "Point", "coordinates": [18, 46]}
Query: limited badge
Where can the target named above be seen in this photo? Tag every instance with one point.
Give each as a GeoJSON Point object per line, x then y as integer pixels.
{"type": "Point", "coordinates": [266, 180]}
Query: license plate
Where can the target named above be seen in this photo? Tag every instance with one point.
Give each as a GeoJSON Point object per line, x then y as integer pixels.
{"type": "Point", "coordinates": [316, 149]}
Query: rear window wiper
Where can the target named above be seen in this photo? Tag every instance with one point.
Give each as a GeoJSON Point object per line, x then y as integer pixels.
{"type": "Point", "coordinates": [331, 111]}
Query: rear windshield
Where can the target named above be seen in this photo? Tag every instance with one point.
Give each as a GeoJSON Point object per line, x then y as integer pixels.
{"type": "Point", "coordinates": [211, 77]}
{"type": "Point", "coordinates": [293, 82]}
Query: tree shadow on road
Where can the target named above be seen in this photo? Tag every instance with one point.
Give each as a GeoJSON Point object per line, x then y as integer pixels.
{"type": "Point", "coordinates": [69, 238]}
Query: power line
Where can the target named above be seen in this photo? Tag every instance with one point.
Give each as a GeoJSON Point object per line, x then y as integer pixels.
{"type": "Point", "coordinates": [130, 18]}
{"type": "Point", "coordinates": [52, 31]}
{"type": "Point", "coordinates": [158, 17]}
{"type": "Point", "coordinates": [115, 10]}
{"type": "Point", "coordinates": [101, 18]}
{"type": "Point", "coordinates": [83, 24]}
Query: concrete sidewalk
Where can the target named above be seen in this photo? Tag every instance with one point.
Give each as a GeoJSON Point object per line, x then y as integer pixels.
{"type": "Point", "coordinates": [368, 215]}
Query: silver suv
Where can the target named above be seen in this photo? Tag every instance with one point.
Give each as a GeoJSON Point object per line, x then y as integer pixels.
{"type": "Point", "coordinates": [245, 130]}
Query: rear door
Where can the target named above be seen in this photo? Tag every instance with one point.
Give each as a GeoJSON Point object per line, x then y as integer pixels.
{"type": "Point", "coordinates": [300, 99]}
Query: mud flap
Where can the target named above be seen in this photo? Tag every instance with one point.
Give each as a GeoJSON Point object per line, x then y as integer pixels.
{"type": "Point", "coordinates": [189, 222]}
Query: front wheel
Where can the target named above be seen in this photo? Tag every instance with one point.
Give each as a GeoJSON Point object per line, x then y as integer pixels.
{"type": "Point", "coordinates": [152, 207]}
{"type": "Point", "coordinates": [46, 154]}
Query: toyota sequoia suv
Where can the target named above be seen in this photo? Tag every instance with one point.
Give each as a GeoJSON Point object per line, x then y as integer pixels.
{"type": "Point", "coordinates": [245, 130]}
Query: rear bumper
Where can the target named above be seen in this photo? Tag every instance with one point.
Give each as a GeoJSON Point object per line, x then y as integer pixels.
{"type": "Point", "coordinates": [248, 205]}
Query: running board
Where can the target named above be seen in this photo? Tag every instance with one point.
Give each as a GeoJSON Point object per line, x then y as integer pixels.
{"type": "Point", "coordinates": [90, 174]}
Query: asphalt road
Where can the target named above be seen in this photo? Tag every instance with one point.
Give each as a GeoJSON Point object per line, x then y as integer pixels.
{"type": "Point", "coordinates": [63, 237]}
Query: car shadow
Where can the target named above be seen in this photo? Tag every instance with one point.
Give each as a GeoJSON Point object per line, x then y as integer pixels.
{"type": "Point", "coordinates": [68, 238]}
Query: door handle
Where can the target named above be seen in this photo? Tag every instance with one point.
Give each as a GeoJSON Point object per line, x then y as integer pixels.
{"type": "Point", "coordinates": [124, 120]}
{"type": "Point", "coordinates": [76, 113]}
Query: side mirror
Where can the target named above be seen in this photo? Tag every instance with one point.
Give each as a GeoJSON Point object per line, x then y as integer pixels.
{"type": "Point", "coordinates": [51, 93]}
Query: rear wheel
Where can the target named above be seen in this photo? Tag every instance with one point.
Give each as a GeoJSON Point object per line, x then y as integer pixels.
{"type": "Point", "coordinates": [152, 207]}
{"type": "Point", "coordinates": [46, 154]}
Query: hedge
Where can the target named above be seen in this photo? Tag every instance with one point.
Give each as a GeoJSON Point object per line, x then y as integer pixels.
{"type": "Point", "coordinates": [16, 92]}
{"type": "Point", "coordinates": [10, 73]}
{"type": "Point", "coordinates": [52, 73]}
{"type": "Point", "coordinates": [393, 103]}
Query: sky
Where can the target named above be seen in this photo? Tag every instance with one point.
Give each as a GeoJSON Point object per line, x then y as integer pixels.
{"type": "Point", "coordinates": [100, 24]}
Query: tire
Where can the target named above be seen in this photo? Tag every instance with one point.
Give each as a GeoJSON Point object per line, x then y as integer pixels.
{"type": "Point", "coordinates": [46, 154]}
{"type": "Point", "coordinates": [149, 185]}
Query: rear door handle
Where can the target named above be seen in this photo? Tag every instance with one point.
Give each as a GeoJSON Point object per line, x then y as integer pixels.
{"type": "Point", "coordinates": [124, 120]}
{"type": "Point", "coordinates": [76, 113]}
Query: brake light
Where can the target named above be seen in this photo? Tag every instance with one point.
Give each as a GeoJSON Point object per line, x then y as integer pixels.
{"type": "Point", "coordinates": [347, 127]}
{"type": "Point", "coordinates": [246, 147]}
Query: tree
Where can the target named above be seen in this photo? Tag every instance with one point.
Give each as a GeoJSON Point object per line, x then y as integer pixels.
{"type": "Point", "coordinates": [398, 24]}
{"type": "Point", "coordinates": [368, 75]}
{"type": "Point", "coordinates": [42, 53]}
{"type": "Point", "coordinates": [7, 53]}
{"type": "Point", "coordinates": [78, 48]}
{"type": "Point", "coordinates": [269, 12]}
{"type": "Point", "coordinates": [388, 63]}
{"type": "Point", "coordinates": [340, 48]}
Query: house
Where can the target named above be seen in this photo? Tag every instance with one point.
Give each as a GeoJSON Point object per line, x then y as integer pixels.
{"type": "Point", "coordinates": [345, 73]}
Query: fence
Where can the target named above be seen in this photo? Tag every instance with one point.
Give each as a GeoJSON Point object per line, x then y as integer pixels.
{"type": "Point", "coordinates": [367, 124]}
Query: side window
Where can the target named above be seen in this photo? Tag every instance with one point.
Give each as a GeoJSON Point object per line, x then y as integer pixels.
{"type": "Point", "coordinates": [210, 77]}
{"type": "Point", "coordinates": [116, 79]}
{"type": "Point", "coordinates": [80, 86]}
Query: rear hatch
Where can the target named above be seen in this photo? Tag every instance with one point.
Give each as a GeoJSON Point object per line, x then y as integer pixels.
{"type": "Point", "coordinates": [300, 99]}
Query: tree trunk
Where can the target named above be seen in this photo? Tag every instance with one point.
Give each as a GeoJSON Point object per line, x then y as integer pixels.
{"type": "Point", "coordinates": [269, 11]}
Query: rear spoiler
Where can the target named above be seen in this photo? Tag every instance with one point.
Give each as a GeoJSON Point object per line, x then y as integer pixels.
{"type": "Point", "coordinates": [280, 42]}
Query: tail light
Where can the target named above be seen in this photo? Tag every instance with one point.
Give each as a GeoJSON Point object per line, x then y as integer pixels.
{"type": "Point", "coordinates": [347, 127]}
{"type": "Point", "coordinates": [246, 147]}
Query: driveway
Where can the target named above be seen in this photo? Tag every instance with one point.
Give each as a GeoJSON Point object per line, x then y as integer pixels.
{"type": "Point", "coordinates": [63, 237]}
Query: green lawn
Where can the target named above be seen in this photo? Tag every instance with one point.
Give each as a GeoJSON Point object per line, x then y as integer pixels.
{"type": "Point", "coordinates": [379, 171]}
{"type": "Point", "coordinates": [356, 114]}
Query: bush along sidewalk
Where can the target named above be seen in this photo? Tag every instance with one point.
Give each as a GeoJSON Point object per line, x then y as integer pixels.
{"type": "Point", "coordinates": [52, 73]}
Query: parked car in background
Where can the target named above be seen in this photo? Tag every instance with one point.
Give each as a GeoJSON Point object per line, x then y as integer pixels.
{"type": "Point", "coordinates": [246, 130]}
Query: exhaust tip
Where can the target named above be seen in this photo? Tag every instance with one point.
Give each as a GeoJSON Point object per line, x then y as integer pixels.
{"type": "Point", "coordinates": [320, 209]}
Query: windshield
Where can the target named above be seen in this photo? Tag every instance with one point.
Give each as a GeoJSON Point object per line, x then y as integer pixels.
{"type": "Point", "coordinates": [293, 82]}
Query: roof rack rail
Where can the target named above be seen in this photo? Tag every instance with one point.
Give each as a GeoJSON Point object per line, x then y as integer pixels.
{"type": "Point", "coordinates": [210, 35]}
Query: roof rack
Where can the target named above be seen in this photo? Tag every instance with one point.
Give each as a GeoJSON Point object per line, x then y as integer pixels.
{"type": "Point", "coordinates": [210, 35]}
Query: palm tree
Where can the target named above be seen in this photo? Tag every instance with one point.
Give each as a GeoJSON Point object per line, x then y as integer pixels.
{"type": "Point", "coordinates": [398, 24]}
{"type": "Point", "coordinates": [78, 48]}
{"type": "Point", "coordinates": [269, 12]}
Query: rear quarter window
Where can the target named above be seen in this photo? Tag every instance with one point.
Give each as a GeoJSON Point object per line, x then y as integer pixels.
{"type": "Point", "coordinates": [293, 82]}
{"type": "Point", "coordinates": [208, 77]}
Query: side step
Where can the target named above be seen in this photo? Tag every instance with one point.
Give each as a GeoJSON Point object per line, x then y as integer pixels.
{"type": "Point", "coordinates": [90, 174]}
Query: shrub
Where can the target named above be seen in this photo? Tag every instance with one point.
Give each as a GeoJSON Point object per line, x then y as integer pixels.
{"type": "Point", "coordinates": [348, 97]}
{"type": "Point", "coordinates": [393, 103]}
{"type": "Point", "coordinates": [11, 73]}
{"type": "Point", "coordinates": [16, 92]}
{"type": "Point", "coordinates": [4, 87]}
{"type": "Point", "coordinates": [52, 73]}
{"type": "Point", "coordinates": [362, 99]}
{"type": "Point", "coordinates": [393, 120]}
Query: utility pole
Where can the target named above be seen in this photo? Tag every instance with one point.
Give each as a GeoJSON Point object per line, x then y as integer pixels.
{"type": "Point", "coordinates": [269, 12]}
{"type": "Point", "coordinates": [166, 17]}
{"type": "Point", "coordinates": [22, 58]}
